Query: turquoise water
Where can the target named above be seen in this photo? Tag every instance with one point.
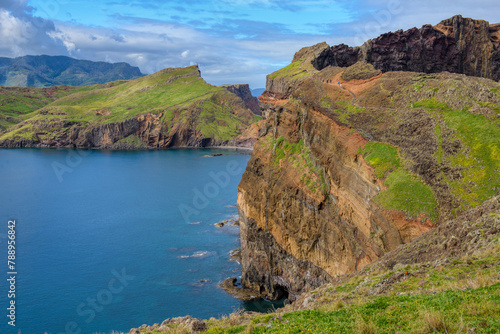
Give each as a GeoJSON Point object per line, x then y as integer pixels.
{"type": "Point", "coordinates": [112, 240]}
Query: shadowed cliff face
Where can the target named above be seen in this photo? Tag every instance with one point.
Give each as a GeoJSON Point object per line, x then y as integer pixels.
{"type": "Point", "coordinates": [243, 91]}
{"type": "Point", "coordinates": [457, 45]}
{"type": "Point", "coordinates": [340, 176]}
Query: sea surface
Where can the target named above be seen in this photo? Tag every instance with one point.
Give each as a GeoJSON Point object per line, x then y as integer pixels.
{"type": "Point", "coordinates": [110, 240]}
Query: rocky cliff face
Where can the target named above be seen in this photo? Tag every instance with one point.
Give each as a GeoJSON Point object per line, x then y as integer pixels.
{"type": "Point", "coordinates": [142, 132]}
{"type": "Point", "coordinates": [340, 176]}
{"type": "Point", "coordinates": [456, 45]}
{"type": "Point", "coordinates": [244, 92]}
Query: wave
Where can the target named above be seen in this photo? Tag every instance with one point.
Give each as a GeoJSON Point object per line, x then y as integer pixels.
{"type": "Point", "coordinates": [198, 254]}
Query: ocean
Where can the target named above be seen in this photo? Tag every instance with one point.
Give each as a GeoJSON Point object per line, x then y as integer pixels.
{"type": "Point", "coordinates": [110, 240]}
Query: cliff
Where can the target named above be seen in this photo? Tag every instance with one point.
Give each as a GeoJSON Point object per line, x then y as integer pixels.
{"type": "Point", "coordinates": [46, 71]}
{"type": "Point", "coordinates": [171, 108]}
{"type": "Point", "coordinates": [456, 45]}
{"type": "Point", "coordinates": [342, 175]}
{"type": "Point", "coordinates": [244, 92]}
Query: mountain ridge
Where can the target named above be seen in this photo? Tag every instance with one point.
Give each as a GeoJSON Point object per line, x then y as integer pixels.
{"type": "Point", "coordinates": [46, 71]}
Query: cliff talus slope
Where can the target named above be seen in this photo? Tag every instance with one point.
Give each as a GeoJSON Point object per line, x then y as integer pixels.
{"type": "Point", "coordinates": [341, 175]}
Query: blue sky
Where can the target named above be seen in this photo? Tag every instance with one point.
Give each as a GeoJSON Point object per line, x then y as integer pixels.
{"type": "Point", "coordinates": [233, 41]}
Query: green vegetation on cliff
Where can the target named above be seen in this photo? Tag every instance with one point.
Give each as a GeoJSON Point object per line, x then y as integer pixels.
{"type": "Point", "coordinates": [478, 158]}
{"type": "Point", "coordinates": [298, 157]}
{"type": "Point", "coordinates": [405, 191]}
{"type": "Point", "coordinates": [299, 69]}
{"type": "Point", "coordinates": [163, 90]}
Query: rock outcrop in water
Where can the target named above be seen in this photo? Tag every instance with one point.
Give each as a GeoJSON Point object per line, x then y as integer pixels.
{"type": "Point", "coordinates": [456, 45]}
{"type": "Point", "coordinates": [341, 175]}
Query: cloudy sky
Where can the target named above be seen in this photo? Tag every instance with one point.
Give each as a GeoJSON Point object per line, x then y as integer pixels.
{"type": "Point", "coordinates": [233, 41]}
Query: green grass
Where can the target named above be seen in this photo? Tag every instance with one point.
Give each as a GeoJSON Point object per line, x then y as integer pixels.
{"type": "Point", "coordinates": [19, 103]}
{"type": "Point", "coordinates": [25, 132]}
{"type": "Point", "coordinates": [299, 157]}
{"type": "Point", "coordinates": [382, 157]}
{"type": "Point", "coordinates": [445, 312]}
{"type": "Point", "coordinates": [216, 120]}
{"type": "Point", "coordinates": [480, 156]}
{"type": "Point", "coordinates": [167, 89]}
{"type": "Point", "coordinates": [432, 104]}
{"type": "Point", "coordinates": [347, 110]}
{"type": "Point", "coordinates": [405, 191]}
{"type": "Point", "coordinates": [295, 70]}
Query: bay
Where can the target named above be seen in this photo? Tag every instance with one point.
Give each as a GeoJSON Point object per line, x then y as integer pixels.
{"type": "Point", "coordinates": [110, 240]}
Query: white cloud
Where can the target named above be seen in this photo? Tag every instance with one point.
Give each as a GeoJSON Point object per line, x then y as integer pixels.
{"type": "Point", "coordinates": [153, 45]}
{"type": "Point", "coordinates": [13, 29]}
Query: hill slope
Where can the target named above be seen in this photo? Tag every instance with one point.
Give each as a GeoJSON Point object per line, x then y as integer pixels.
{"type": "Point", "coordinates": [173, 107]}
{"type": "Point", "coordinates": [45, 71]}
{"type": "Point", "coordinates": [17, 103]}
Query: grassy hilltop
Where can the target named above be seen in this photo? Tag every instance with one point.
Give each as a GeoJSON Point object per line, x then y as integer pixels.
{"type": "Point", "coordinates": [174, 102]}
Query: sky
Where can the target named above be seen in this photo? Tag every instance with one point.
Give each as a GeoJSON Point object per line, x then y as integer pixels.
{"type": "Point", "coordinates": [233, 41]}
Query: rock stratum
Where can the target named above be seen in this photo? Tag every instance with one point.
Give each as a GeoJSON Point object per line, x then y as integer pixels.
{"type": "Point", "coordinates": [341, 175]}
{"type": "Point", "coordinates": [456, 45]}
{"type": "Point", "coordinates": [171, 108]}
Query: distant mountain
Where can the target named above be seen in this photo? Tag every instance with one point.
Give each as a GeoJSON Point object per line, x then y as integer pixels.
{"type": "Point", "coordinates": [46, 71]}
{"type": "Point", "coordinates": [257, 91]}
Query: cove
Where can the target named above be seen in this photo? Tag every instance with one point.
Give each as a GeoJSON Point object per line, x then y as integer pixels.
{"type": "Point", "coordinates": [112, 240]}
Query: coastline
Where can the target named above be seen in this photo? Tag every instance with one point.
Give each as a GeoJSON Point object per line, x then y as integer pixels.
{"type": "Point", "coordinates": [133, 148]}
